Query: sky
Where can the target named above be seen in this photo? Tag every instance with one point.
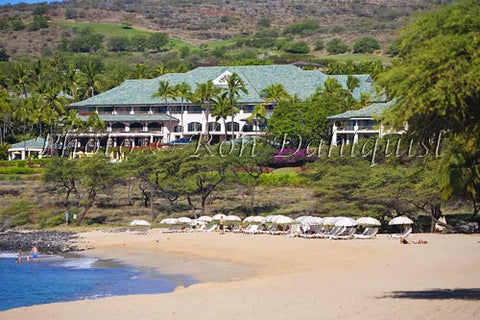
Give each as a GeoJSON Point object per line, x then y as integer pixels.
{"type": "Point", "coordinates": [4, 2]}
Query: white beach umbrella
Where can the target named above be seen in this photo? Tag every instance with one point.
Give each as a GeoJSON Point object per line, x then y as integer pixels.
{"type": "Point", "coordinates": [140, 223]}
{"type": "Point", "coordinates": [368, 221]}
{"type": "Point", "coordinates": [345, 222]}
{"type": "Point", "coordinates": [184, 220]}
{"type": "Point", "coordinates": [251, 219]}
{"type": "Point", "coordinates": [301, 218]}
{"type": "Point", "coordinates": [281, 219]}
{"type": "Point", "coordinates": [218, 216]}
{"type": "Point", "coordinates": [269, 219]}
{"type": "Point", "coordinates": [232, 218]}
{"type": "Point", "coordinates": [329, 221]}
{"type": "Point", "coordinates": [400, 220]}
{"type": "Point", "coordinates": [205, 219]}
{"type": "Point", "coordinates": [168, 221]}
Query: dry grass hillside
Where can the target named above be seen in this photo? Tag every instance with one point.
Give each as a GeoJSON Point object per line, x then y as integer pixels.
{"type": "Point", "coordinates": [202, 21]}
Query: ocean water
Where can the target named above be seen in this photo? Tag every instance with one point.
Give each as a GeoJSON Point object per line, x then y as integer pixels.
{"type": "Point", "coordinates": [68, 278]}
{"type": "Point", "coordinates": [4, 2]}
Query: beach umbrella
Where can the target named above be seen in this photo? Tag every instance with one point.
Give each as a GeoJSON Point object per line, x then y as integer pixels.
{"type": "Point", "coordinates": [232, 218]}
{"type": "Point", "coordinates": [301, 218]}
{"type": "Point", "coordinates": [251, 219]}
{"type": "Point", "coordinates": [218, 216]}
{"type": "Point", "coordinates": [168, 221]}
{"type": "Point", "coordinates": [329, 221]}
{"type": "Point", "coordinates": [269, 219]}
{"type": "Point", "coordinates": [368, 221]}
{"type": "Point", "coordinates": [280, 219]}
{"type": "Point", "coordinates": [345, 222]}
{"type": "Point", "coordinates": [205, 219]}
{"type": "Point", "coordinates": [184, 220]}
{"type": "Point", "coordinates": [140, 223]}
{"type": "Point", "coordinates": [400, 220]}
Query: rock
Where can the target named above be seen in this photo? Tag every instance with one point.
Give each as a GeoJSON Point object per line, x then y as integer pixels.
{"type": "Point", "coordinates": [50, 242]}
{"type": "Point", "coordinates": [467, 227]}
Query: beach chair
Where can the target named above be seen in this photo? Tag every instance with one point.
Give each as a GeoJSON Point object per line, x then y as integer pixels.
{"type": "Point", "coordinates": [212, 228]}
{"type": "Point", "coordinates": [368, 233]}
{"type": "Point", "coordinates": [334, 232]}
{"type": "Point", "coordinates": [252, 230]}
{"type": "Point", "coordinates": [294, 231]}
{"type": "Point", "coordinates": [404, 234]}
{"type": "Point", "coordinates": [315, 231]}
{"type": "Point", "coordinates": [346, 234]}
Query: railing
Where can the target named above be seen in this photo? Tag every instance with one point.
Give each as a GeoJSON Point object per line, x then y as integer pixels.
{"type": "Point", "coordinates": [359, 128]}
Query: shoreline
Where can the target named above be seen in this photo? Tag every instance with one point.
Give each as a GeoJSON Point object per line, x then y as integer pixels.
{"type": "Point", "coordinates": [286, 277]}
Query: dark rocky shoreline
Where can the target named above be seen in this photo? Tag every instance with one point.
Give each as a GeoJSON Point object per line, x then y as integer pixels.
{"type": "Point", "coordinates": [50, 242]}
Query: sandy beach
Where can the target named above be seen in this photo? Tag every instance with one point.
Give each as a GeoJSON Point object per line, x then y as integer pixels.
{"type": "Point", "coordinates": [275, 277]}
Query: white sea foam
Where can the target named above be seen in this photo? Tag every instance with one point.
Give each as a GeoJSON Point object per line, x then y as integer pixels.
{"type": "Point", "coordinates": [8, 255]}
{"type": "Point", "coordinates": [77, 263]}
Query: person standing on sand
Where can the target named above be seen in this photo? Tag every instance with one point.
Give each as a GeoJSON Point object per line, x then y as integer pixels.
{"type": "Point", "coordinates": [34, 253]}
{"type": "Point", "coordinates": [221, 227]}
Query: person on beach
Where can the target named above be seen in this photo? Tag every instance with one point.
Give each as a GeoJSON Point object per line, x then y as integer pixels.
{"type": "Point", "coordinates": [220, 225]}
{"type": "Point", "coordinates": [405, 241]}
{"type": "Point", "coordinates": [34, 253]}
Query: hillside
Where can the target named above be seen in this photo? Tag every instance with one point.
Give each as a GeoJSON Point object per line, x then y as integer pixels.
{"type": "Point", "coordinates": [202, 22]}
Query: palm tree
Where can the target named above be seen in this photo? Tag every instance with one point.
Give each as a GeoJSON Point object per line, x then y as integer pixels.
{"type": "Point", "coordinates": [184, 92]}
{"type": "Point", "coordinates": [69, 80]}
{"type": "Point", "coordinates": [274, 93]}
{"type": "Point", "coordinates": [221, 109]}
{"type": "Point", "coordinates": [160, 70]}
{"type": "Point", "coordinates": [165, 91]}
{"type": "Point", "coordinates": [21, 77]}
{"type": "Point", "coordinates": [91, 78]}
{"type": "Point", "coordinates": [235, 86]}
{"type": "Point", "coordinates": [259, 115]}
{"type": "Point", "coordinates": [203, 94]}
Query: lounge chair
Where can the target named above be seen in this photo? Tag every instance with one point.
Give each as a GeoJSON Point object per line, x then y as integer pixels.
{"type": "Point", "coordinates": [368, 233]}
{"type": "Point", "coordinates": [404, 234]}
{"type": "Point", "coordinates": [334, 232]}
{"type": "Point", "coordinates": [212, 228]}
{"type": "Point", "coordinates": [314, 231]}
{"type": "Point", "coordinates": [252, 230]}
{"type": "Point", "coordinates": [346, 234]}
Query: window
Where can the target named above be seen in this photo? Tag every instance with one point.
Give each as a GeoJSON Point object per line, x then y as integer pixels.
{"type": "Point", "coordinates": [155, 126]}
{"type": "Point", "coordinates": [178, 129]}
{"type": "Point", "coordinates": [214, 127]}
{"type": "Point", "coordinates": [247, 128]}
{"type": "Point", "coordinates": [236, 126]}
{"type": "Point", "coordinates": [194, 126]}
{"type": "Point", "coordinates": [195, 109]}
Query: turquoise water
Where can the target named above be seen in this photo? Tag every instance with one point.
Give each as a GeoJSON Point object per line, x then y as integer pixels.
{"type": "Point", "coordinates": [57, 279]}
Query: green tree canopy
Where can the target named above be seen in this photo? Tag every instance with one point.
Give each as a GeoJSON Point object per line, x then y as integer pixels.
{"type": "Point", "coordinates": [366, 45]}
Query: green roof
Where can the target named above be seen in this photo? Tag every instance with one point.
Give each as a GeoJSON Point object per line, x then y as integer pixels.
{"type": "Point", "coordinates": [372, 111]}
{"type": "Point", "coordinates": [297, 81]}
{"type": "Point", "coordinates": [133, 117]}
{"type": "Point", "coordinates": [37, 143]}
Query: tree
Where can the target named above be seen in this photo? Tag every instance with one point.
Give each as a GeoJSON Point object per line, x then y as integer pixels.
{"type": "Point", "coordinates": [118, 44]}
{"type": "Point", "coordinates": [203, 95]}
{"type": "Point", "coordinates": [166, 91]}
{"type": "Point", "coordinates": [90, 78]}
{"type": "Point", "coordinates": [258, 116]}
{"type": "Point", "coordinates": [235, 86]}
{"type": "Point", "coordinates": [184, 92]}
{"type": "Point", "coordinates": [139, 42]}
{"type": "Point", "coordinates": [157, 40]}
{"type": "Point", "coordinates": [300, 47]}
{"type": "Point", "coordinates": [366, 45]}
{"type": "Point", "coordinates": [336, 46]}
{"type": "Point", "coordinates": [221, 109]}
{"type": "Point", "coordinates": [274, 93]}
{"type": "Point", "coordinates": [319, 45]}
{"type": "Point", "coordinates": [3, 54]}
{"type": "Point", "coordinates": [435, 82]}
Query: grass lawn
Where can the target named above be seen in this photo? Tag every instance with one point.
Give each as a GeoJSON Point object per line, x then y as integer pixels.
{"type": "Point", "coordinates": [356, 57]}
{"type": "Point", "coordinates": [116, 30]}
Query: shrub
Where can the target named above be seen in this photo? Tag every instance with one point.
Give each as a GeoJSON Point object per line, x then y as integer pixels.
{"type": "Point", "coordinates": [300, 47]}
{"type": "Point", "coordinates": [17, 214]}
{"type": "Point", "coordinates": [319, 45]}
{"type": "Point", "coordinates": [366, 45]}
{"type": "Point", "coordinates": [336, 46]}
{"type": "Point", "coordinates": [303, 28]}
